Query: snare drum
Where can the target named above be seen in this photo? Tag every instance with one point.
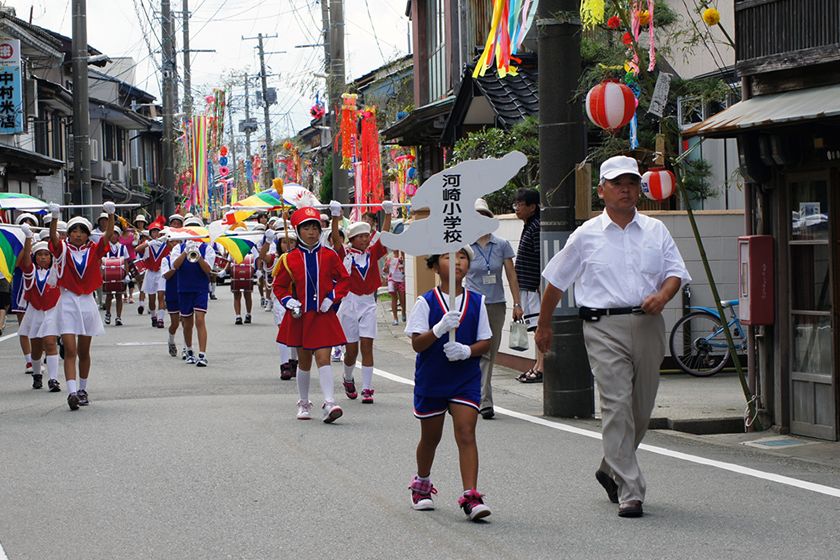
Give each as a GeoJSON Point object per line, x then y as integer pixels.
{"type": "Point", "coordinates": [137, 268]}
{"type": "Point", "coordinates": [113, 275]}
{"type": "Point", "coordinates": [220, 263]}
{"type": "Point", "coordinates": [242, 276]}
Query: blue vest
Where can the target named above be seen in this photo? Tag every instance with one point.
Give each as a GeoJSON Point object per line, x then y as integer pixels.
{"type": "Point", "coordinates": [172, 283]}
{"type": "Point", "coordinates": [434, 374]}
{"type": "Point", "coordinates": [190, 276]}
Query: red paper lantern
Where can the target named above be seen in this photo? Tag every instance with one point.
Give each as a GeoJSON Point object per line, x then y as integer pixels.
{"type": "Point", "coordinates": [658, 184]}
{"type": "Point", "coordinates": [610, 105]}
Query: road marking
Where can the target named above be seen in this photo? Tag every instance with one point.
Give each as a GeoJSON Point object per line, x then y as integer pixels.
{"type": "Point", "coordinates": [3, 553]}
{"type": "Point", "coordinates": [150, 343]}
{"type": "Point", "coordinates": [731, 467]}
{"type": "Point", "coordinates": [2, 338]}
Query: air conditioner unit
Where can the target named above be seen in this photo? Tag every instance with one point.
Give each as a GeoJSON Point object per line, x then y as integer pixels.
{"type": "Point", "coordinates": [94, 149]}
{"type": "Point", "coordinates": [136, 177]}
{"type": "Point", "coordinates": [118, 172]}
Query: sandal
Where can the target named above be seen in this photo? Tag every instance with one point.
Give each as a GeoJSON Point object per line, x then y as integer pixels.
{"type": "Point", "coordinates": [532, 376]}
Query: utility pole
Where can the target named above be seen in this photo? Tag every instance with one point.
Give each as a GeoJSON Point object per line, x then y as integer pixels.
{"type": "Point", "coordinates": [268, 165]}
{"type": "Point", "coordinates": [336, 86]}
{"type": "Point", "coordinates": [168, 84]}
{"type": "Point", "coordinates": [247, 129]}
{"type": "Point", "coordinates": [567, 385]}
{"type": "Point", "coordinates": [185, 14]}
{"type": "Point", "coordinates": [81, 110]}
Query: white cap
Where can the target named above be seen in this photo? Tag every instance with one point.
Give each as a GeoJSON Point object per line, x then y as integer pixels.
{"type": "Point", "coordinates": [325, 218]}
{"type": "Point", "coordinates": [617, 166]}
{"type": "Point", "coordinates": [193, 221]}
{"type": "Point", "coordinates": [259, 227]}
{"type": "Point", "coordinates": [176, 217]}
{"type": "Point", "coordinates": [118, 230]}
{"type": "Point", "coordinates": [282, 234]}
{"type": "Point", "coordinates": [140, 218]}
{"type": "Point", "coordinates": [40, 246]}
{"type": "Point", "coordinates": [43, 234]}
{"type": "Point", "coordinates": [357, 228]}
{"type": "Point", "coordinates": [469, 251]}
{"type": "Point", "coordinates": [272, 219]}
{"type": "Point", "coordinates": [102, 215]}
{"type": "Point", "coordinates": [62, 226]}
{"type": "Point", "coordinates": [26, 216]}
{"type": "Point", "coordinates": [481, 207]}
{"type": "Point", "coordinates": [79, 220]}
{"type": "Point", "coordinates": [188, 215]}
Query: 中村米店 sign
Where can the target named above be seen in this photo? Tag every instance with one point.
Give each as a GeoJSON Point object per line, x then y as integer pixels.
{"type": "Point", "coordinates": [11, 87]}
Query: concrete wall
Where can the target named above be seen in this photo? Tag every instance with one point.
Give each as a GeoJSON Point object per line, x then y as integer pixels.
{"type": "Point", "coordinates": [719, 230]}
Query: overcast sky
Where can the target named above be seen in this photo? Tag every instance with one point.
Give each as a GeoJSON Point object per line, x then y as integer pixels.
{"type": "Point", "coordinates": [376, 31]}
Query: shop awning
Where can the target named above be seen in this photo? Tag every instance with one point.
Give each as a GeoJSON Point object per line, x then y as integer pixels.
{"type": "Point", "coordinates": [25, 161]}
{"type": "Point", "coordinates": [764, 111]}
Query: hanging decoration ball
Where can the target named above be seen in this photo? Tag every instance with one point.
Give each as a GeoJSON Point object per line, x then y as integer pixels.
{"type": "Point", "coordinates": [614, 22]}
{"type": "Point", "coordinates": [658, 184]}
{"type": "Point", "coordinates": [711, 16]}
{"type": "Point", "coordinates": [223, 161]}
{"type": "Point", "coordinates": [610, 105]}
{"type": "Point", "coordinates": [223, 151]}
{"type": "Point", "coordinates": [287, 145]}
{"type": "Point", "coordinates": [224, 171]}
{"type": "Point", "coordinates": [627, 39]}
{"type": "Point", "coordinates": [210, 99]}
{"type": "Point", "coordinates": [412, 173]}
{"type": "Point", "coordinates": [644, 18]}
{"type": "Point", "coordinates": [410, 189]}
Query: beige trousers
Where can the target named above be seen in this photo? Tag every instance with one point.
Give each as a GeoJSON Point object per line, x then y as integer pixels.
{"type": "Point", "coordinates": [496, 315]}
{"type": "Point", "coordinates": [625, 352]}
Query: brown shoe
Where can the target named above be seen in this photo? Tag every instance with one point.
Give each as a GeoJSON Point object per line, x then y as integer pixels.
{"type": "Point", "coordinates": [632, 508]}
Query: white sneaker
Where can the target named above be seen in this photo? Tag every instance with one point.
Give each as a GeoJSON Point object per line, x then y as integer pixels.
{"type": "Point", "coordinates": [304, 410]}
{"type": "Point", "coordinates": [337, 354]}
{"type": "Point", "coordinates": [331, 412]}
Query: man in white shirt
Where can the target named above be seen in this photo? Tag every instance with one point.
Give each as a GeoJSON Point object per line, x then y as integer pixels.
{"type": "Point", "coordinates": [625, 267]}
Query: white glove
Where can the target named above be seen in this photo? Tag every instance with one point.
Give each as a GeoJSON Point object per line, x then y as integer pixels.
{"type": "Point", "coordinates": [326, 304]}
{"type": "Point", "coordinates": [109, 207]}
{"type": "Point", "coordinates": [292, 304]}
{"type": "Point", "coordinates": [335, 209]}
{"type": "Point", "coordinates": [388, 207]}
{"type": "Point", "coordinates": [55, 210]}
{"type": "Point", "coordinates": [269, 235]}
{"type": "Point", "coordinates": [26, 230]}
{"type": "Point", "coordinates": [449, 321]}
{"type": "Point", "coordinates": [455, 351]}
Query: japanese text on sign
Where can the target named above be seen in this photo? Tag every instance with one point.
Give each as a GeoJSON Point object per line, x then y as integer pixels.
{"type": "Point", "coordinates": [452, 231]}
{"type": "Point", "coordinates": [11, 87]}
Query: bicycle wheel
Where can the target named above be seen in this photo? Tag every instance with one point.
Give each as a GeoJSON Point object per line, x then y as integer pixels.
{"type": "Point", "coordinates": [698, 344]}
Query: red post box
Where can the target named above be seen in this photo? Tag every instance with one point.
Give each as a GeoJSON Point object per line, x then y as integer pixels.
{"type": "Point", "coordinates": [756, 286]}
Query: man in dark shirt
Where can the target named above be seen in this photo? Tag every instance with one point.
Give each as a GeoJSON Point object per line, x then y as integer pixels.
{"type": "Point", "coordinates": [528, 267]}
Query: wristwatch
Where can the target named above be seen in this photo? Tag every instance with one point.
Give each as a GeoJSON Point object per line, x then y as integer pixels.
{"type": "Point", "coordinates": [517, 305]}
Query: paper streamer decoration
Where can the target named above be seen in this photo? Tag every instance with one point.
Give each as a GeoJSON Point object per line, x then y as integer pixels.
{"type": "Point", "coordinates": [509, 24]}
{"type": "Point", "coordinates": [347, 131]}
{"type": "Point", "coordinates": [370, 167]}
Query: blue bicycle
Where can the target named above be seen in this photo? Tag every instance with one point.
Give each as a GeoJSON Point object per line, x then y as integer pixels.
{"type": "Point", "coordinates": [698, 343]}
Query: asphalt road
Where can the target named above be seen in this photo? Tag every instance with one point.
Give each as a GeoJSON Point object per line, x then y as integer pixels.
{"type": "Point", "coordinates": [175, 462]}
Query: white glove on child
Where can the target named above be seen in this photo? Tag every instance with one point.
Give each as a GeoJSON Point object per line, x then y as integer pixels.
{"type": "Point", "coordinates": [388, 207]}
{"type": "Point", "coordinates": [109, 207]}
{"type": "Point", "coordinates": [269, 235]}
{"type": "Point", "coordinates": [449, 321]}
{"type": "Point", "coordinates": [26, 231]}
{"type": "Point", "coordinates": [55, 210]}
{"type": "Point", "coordinates": [335, 209]}
{"type": "Point", "coordinates": [292, 304]}
{"type": "Point", "coordinates": [326, 304]}
{"type": "Point", "coordinates": [455, 351]}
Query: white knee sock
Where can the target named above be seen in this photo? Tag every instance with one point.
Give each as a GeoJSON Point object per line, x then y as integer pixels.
{"type": "Point", "coordinates": [171, 338]}
{"type": "Point", "coordinates": [27, 358]}
{"type": "Point", "coordinates": [367, 377]}
{"type": "Point", "coordinates": [36, 367]}
{"type": "Point", "coordinates": [294, 353]}
{"type": "Point", "coordinates": [303, 384]}
{"type": "Point", "coordinates": [52, 366]}
{"type": "Point", "coordinates": [82, 384]}
{"type": "Point", "coordinates": [348, 372]}
{"type": "Point", "coordinates": [284, 352]}
{"type": "Point", "coordinates": [325, 376]}
{"type": "Point", "coordinates": [71, 385]}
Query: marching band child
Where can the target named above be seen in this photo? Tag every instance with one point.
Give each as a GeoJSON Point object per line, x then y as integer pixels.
{"type": "Point", "coordinates": [40, 323]}
{"type": "Point", "coordinates": [19, 304]}
{"type": "Point", "coordinates": [153, 251]}
{"type": "Point", "coordinates": [310, 282]}
{"type": "Point", "coordinates": [140, 236]}
{"type": "Point", "coordinates": [395, 271]}
{"type": "Point", "coordinates": [285, 241]}
{"type": "Point", "coordinates": [246, 292]}
{"type": "Point", "coordinates": [173, 308]}
{"type": "Point", "coordinates": [447, 378]}
{"type": "Point", "coordinates": [116, 250]}
{"type": "Point", "coordinates": [358, 309]}
{"type": "Point", "coordinates": [194, 293]}
{"type": "Point", "coordinates": [78, 260]}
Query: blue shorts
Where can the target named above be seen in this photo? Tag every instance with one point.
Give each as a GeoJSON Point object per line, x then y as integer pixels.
{"type": "Point", "coordinates": [188, 302]}
{"type": "Point", "coordinates": [429, 407]}
{"type": "Point", "coordinates": [172, 305]}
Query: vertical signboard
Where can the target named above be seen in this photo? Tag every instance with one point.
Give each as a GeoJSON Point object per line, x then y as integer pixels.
{"type": "Point", "coordinates": [11, 87]}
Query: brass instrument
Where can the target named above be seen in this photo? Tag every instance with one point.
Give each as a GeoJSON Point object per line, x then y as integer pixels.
{"type": "Point", "coordinates": [193, 255]}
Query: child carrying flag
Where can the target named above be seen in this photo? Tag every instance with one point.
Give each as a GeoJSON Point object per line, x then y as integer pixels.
{"type": "Point", "coordinates": [447, 378]}
{"type": "Point", "coordinates": [280, 243]}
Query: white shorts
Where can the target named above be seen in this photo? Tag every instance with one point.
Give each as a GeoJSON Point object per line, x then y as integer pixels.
{"type": "Point", "coordinates": [358, 316]}
{"type": "Point", "coordinates": [154, 282]}
{"type": "Point", "coordinates": [38, 324]}
{"type": "Point", "coordinates": [79, 315]}
{"type": "Point", "coordinates": [530, 308]}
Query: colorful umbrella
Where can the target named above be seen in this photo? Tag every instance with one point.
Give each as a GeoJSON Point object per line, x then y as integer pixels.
{"type": "Point", "coordinates": [265, 199]}
{"type": "Point", "coordinates": [187, 233]}
{"type": "Point", "coordinates": [13, 201]}
{"type": "Point", "coordinates": [11, 244]}
{"type": "Point", "coordinates": [239, 246]}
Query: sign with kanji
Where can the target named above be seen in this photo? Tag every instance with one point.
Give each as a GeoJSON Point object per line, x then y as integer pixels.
{"type": "Point", "coordinates": [450, 197]}
{"type": "Point", "coordinates": [11, 87]}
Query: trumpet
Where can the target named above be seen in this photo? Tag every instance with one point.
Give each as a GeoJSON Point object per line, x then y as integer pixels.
{"type": "Point", "coordinates": [193, 255]}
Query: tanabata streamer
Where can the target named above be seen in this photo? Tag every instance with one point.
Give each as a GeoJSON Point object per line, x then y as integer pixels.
{"type": "Point", "coordinates": [509, 25]}
{"type": "Point", "coordinates": [371, 162]}
{"type": "Point", "coordinates": [347, 131]}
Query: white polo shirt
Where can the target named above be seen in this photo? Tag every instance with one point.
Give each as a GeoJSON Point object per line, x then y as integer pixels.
{"type": "Point", "coordinates": [613, 267]}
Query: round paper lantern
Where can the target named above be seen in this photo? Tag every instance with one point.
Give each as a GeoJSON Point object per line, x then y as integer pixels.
{"type": "Point", "coordinates": [223, 151]}
{"type": "Point", "coordinates": [209, 99]}
{"type": "Point", "coordinates": [224, 171]}
{"type": "Point", "coordinates": [410, 189]}
{"type": "Point", "coordinates": [223, 161]}
{"type": "Point", "coordinates": [412, 173]}
{"type": "Point", "coordinates": [658, 184]}
{"type": "Point", "coordinates": [610, 105]}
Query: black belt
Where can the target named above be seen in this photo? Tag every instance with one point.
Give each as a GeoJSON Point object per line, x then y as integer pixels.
{"type": "Point", "coordinates": [592, 314]}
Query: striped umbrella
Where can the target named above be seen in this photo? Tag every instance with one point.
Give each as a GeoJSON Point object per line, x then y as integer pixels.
{"type": "Point", "coordinates": [11, 244]}
{"type": "Point", "coordinates": [237, 247]}
{"type": "Point", "coordinates": [266, 199]}
{"type": "Point", "coordinates": [12, 201]}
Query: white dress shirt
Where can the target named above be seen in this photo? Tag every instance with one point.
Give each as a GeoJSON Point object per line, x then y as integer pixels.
{"type": "Point", "coordinates": [613, 267]}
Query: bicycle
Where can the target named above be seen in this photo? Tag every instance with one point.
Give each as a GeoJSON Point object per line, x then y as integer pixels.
{"type": "Point", "coordinates": [698, 343]}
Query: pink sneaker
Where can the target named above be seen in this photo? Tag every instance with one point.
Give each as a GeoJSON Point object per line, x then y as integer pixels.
{"type": "Point", "coordinates": [473, 505]}
{"type": "Point", "coordinates": [421, 494]}
{"type": "Point", "coordinates": [367, 396]}
{"type": "Point", "coordinates": [350, 388]}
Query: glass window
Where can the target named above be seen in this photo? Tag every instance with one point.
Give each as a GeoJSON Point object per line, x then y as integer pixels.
{"type": "Point", "coordinates": [436, 49]}
{"type": "Point", "coordinates": [812, 344]}
{"type": "Point", "coordinates": [809, 209]}
{"type": "Point", "coordinates": [810, 280]}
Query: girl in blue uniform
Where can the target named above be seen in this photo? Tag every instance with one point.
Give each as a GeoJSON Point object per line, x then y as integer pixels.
{"type": "Point", "coordinates": [447, 378]}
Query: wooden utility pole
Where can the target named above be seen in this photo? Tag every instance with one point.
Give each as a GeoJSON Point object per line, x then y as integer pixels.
{"type": "Point", "coordinates": [168, 86]}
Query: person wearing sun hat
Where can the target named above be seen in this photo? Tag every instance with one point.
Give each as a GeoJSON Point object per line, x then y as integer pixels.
{"type": "Point", "coordinates": [153, 251]}
{"type": "Point", "coordinates": [19, 304]}
{"type": "Point", "coordinates": [310, 283]}
{"type": "Point", "coordinates": [78, 262]}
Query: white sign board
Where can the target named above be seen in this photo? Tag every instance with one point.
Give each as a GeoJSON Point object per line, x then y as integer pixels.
{"type": "Point", "coordinates": [450, 197]}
